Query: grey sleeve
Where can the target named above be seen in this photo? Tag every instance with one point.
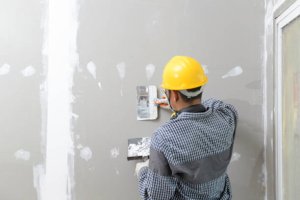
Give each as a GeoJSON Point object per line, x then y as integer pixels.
{"type": "Point", "coordinates": [156, 182]}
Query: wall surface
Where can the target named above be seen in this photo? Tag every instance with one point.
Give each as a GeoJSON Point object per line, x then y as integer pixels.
{"type": "Point", "coordinates": [20, 109]}
{"type": "Point", "coordinates": [224, 36]}
{"type": "Point", "coordinates": [117, 41]}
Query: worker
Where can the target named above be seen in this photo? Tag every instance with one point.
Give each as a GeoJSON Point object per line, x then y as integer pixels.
{"type": "Point", "coordinates": [189, 154]}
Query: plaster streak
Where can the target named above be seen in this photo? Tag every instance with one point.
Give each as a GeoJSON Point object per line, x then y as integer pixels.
{"type": "Point", "coordinates": [5, 69]}
{"type": "Point", "coordinates": [28, 71]}
{"type": "Point", "coordinates": [91, 67]}
{"type": "Point", "coordinates": [150, 69]}
{"type": "Point", "coordinates": [38, 179]}
{"type": "Point", "coordinates": [22, 155]}
{"type": "Point", "coordinates": [115, 152]}
{"type": "Point", "coordinates": [236, 71]}
{"type": "Point", "coordinates": [268, 47]}
{"type": "Point", "coordinates": [61, 55]}
{"type": "Point", "coordinates": [86, 153]}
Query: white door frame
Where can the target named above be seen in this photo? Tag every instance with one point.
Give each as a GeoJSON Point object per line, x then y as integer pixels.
{"type": "Point", "coordinates": [284, 19]}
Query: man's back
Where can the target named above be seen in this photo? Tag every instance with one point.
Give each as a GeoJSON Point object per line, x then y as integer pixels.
{"type": "Point", "coordinates": [190, 154]}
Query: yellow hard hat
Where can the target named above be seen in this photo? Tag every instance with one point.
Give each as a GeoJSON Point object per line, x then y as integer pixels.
{"type": "Point", "coordinates": [182, 73]}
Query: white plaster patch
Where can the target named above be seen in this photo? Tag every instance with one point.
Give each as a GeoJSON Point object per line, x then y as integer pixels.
{"type": "Point", "coordinates": [150, 69]}
{"type": "Point", "coordinates": [115, 152]}
{"type": "Point", "coordinates": [121, 67]}
{"type": "Point", "coordinates": [5, 69]}
{"type": "Point", "coordinates": [235, 157]}
{"type": "Point", "coordinates": [236, 71]}
{"type": "Point", "coordinates": [100, 85]}
{"type": "Point", "coordinates": [117, 171]}
{"type": "Point", "coordinates": [22, 155]}
{"type": "Point", "coordinates": [91, 67]}
{"type": "Point", "coordinates": [28, 71]}
{"type": "Point", "coordinates": [86, 153]}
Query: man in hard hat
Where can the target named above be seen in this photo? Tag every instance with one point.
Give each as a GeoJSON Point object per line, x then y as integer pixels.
{"type": "Point", "coordinates": [190, 153]}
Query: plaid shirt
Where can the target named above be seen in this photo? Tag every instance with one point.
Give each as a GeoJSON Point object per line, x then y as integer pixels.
{"type": "Point", "coordinates": [189, 156]}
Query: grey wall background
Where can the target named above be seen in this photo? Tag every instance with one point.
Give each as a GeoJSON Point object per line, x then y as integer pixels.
{"type": "Point", "coordinates": [21, 39]}
{"type": "Point", "coordinates": [220, 34]}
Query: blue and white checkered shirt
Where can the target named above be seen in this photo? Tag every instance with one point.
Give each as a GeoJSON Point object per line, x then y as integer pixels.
{"type": "Point", "coordinates": [189, 156]}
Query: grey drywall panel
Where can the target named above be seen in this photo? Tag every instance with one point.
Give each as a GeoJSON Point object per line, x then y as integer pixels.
{"type": "Point", "coordinates": [20, 113]}
{"type": "Point", "coordinates": [221, 34]}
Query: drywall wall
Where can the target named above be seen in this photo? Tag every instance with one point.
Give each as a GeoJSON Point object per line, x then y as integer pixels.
{"type": "Point", "coordinates": [20, 109]}
{"type": "Point", "coordinates": [227, 37]}
{"type": "Point", "coordinates": [121, 44]}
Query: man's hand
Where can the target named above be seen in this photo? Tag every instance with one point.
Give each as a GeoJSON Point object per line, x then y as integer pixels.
{"type": "Point", "coordinates": [163, 102]}
{"type": "Point", "coordinates": [140, 165]}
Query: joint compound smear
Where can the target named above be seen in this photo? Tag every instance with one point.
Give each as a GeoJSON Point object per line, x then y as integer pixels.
{"type": "Point", "coordinates": [86, 153]}
{"type": "Point", "coordinates": [117, 171]}
{"type": "Point", "coordinates": [91, 67]}
{"type": "Point", "coordinates": [121, 67]}
{"type": "Point", "coordinates": [115, 152]}
{"type": "Point", "coordinates": [28, 71]}
{"type": "Point", "coordinates": [235, 157]}
{"type": "Point", "coordinates": [22, 155]}
{"type": "Point", "coordinates": [4, 69]}
{"type": "Point", "coordinates": [233, 72]}
{"type": "Point", "coordinates": [150, 69]}
{"type": "Point", "coordinates": [100, 85]}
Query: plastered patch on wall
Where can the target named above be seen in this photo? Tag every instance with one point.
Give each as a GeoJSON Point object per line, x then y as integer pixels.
{"type": "Point", "coordinates": [121, 67]}
{"type": "Point", "coordinates": [117, 171]}
{"type": "Point", "coordinates": [100, 85]}
{"type": "Point", "coordinates": [115, 152]}
{"type": "Point", "coordinates": [235, 157]}
{"type": "Point", "coordinates": [236, 71]}
{"type": "Point", "coordinates": [28, 71]}
{"type": "Point", "coordinates": [150, 69]}
{"type": "Point", "coordinates": [91, 67]}
{"type": "Point", "coordinates": [5, 69]}
{"type": "Point", "coordinates": [86, 153]}
{"type": "Point", "coordinates": [22, 155]}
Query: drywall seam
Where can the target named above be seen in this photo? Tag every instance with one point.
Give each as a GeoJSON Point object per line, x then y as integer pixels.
{"type": "Point", "coordinates": [268, 47]}
{"type": "Point", "coordinates": [55, 178]}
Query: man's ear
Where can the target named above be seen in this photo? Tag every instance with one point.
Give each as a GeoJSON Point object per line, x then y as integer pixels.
{"type": "Point", "coordinates": [176, 95]}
